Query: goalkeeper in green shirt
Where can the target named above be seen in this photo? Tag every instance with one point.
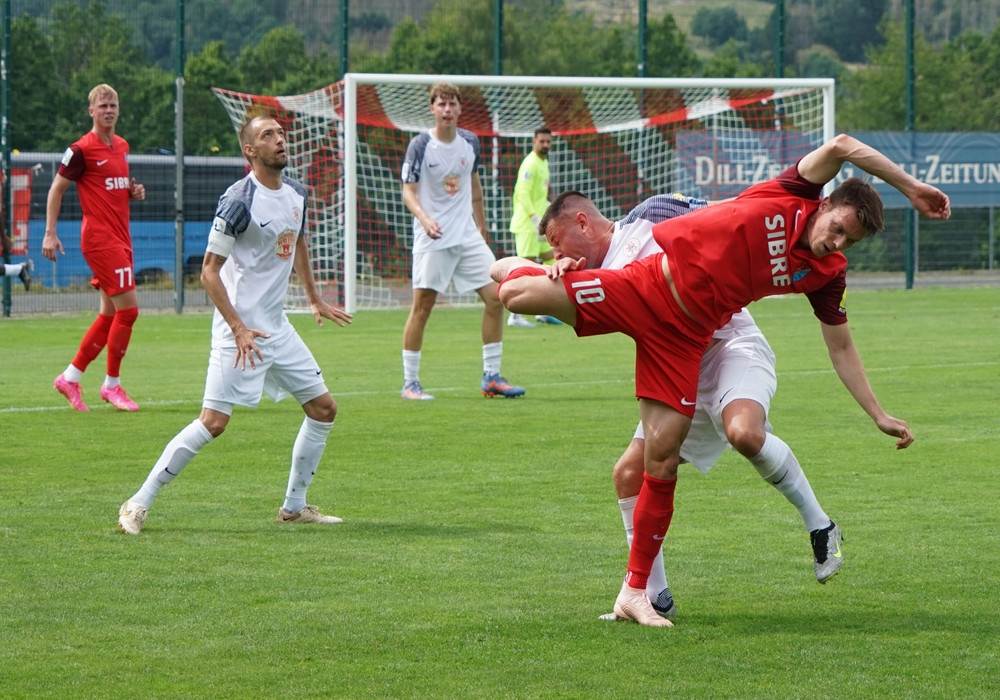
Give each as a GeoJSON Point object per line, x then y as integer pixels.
{"type": "Point", "coordinates": [531, 198]}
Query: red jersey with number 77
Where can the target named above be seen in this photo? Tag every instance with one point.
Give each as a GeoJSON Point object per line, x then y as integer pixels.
{"type": "Point", "coordinates": [102, 182]}
{"type": "Point", "coordinates": [728, 255]}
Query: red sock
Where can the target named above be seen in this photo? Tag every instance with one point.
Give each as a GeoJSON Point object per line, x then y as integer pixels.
{"type": "Point", "coordinates": [651, 519]}
{"type": "Point", "coordinates": [120, 334]}
{"type": "Point", "coordinates": [93, 341]}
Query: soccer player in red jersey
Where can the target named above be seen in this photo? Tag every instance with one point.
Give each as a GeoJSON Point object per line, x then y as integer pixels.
{"type": "Point", "coordinates": [777, 237]}
{"type": "Point", "coordinates": [98, 164]}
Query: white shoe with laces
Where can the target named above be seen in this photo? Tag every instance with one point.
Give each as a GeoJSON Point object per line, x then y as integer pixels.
{"type": "Point", "coordinates": [632, 604]}
{"type": "Point", "coordinates": [663, 604]}
{"type": "Point", "coordinates": [309, 514]}
{"type": "Point", "coordinates": [131, 516]}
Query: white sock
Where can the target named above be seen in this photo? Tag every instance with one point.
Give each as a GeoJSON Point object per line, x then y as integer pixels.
{"type": "Point", "coordinates": [411, 366]}
{"type": "Point", "coordinates": [308, 449]}
{"type": "Point", "coordinates": [176, 455]}
{"type": "Point", "coordinates": [657, 575]}
{"type": "Point", "coordinates": [12, 268]}
{"type": "Point", "coordinates": [111, 382]}
{"type": "Point", "coordinates": [72, 374]}
{"type": "Point", "coordinates": [777, 465]}
{"type": "Point", "coordinates": [492, 353]}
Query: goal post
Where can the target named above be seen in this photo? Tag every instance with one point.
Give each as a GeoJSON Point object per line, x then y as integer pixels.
{"type": "Point", "coordinates": [618, 140]}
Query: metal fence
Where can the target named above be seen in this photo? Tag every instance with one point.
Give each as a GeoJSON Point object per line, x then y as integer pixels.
{"type": "Point", "coordinates": [64, 285]}
{"type": "Point", "coordinates": [958, 252]}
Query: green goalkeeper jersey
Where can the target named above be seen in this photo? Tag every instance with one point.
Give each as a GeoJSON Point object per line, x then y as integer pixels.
{"type": "Point", "coordinates": [531, 193]}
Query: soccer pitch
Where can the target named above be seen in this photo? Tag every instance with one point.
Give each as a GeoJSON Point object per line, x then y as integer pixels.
{"type": "Point", "coordinates": [482, 538]}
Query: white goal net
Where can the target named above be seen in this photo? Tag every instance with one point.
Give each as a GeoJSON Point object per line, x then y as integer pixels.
{"type": "Point", "coordinates": [617, 140]}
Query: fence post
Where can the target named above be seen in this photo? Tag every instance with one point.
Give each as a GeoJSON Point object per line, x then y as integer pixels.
{"type": "Point", "coordinates": [991, 241]}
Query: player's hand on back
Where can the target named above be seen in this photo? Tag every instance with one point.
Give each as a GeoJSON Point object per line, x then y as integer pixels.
{"type": "Point", "coordinates": [563, 265]}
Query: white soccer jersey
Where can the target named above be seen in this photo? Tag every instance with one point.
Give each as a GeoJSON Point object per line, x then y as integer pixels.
{"type": "Point", "coordinates": [444, 173]}
{"type": "Point", "coordinates": [266, 225]}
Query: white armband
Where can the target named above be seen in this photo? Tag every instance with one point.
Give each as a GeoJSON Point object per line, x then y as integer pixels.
{"type": "Point", "coordinates": [218, 242]}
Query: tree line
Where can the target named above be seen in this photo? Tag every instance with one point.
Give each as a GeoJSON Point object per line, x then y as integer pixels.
{"type": "Point", "coordinates": [54, 61]}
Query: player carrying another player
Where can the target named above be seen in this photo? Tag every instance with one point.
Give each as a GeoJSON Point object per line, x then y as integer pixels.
{"type": "Point", "coordinates": [777, 237]}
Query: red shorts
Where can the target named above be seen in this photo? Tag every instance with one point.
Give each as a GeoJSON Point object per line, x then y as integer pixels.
{"type": "Point", "coordinates": [113, 270]}
{"type": "Point", "coordinates": [636, 301]}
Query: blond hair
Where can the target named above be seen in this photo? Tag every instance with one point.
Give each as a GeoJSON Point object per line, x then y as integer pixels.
{"type": "Point", "coordinates": [100, 91]}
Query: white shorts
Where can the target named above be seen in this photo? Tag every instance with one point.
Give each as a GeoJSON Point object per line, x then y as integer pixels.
{"type": "Point", "coordinates": [742, 368]}
{"type": "Point", "coordinates": [288, 369]}
{"type": "Point", "coordinates": [466, 265]}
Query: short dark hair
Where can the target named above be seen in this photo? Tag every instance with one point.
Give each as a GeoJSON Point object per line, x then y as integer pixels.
{"type": "Point", "coordinates": [543, 130]}
{"type": "Point", "coordinates": [559, 204]}
{"type": "Point", "coordinates": [862, 196]}
{"type": "Point", "coordinates": [247, 129]}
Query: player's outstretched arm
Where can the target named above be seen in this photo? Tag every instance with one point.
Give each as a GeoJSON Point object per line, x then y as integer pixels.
{"type": "Point", "coordinates": [823, 164]}
{"type": "Point", "coordinates": [847, 362]}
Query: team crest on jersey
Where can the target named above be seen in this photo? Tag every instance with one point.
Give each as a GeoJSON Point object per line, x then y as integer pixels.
{"type": "Point", "coordinates": [452, 184]}
{"type": "Point", "coordinates": [286, 244]}
{"type": "Point", "coordinates": [297, 214]}
{"type": "Point", "coordinates": [632, 248]}
{"type": "Point", "coordinates": [801, 272]}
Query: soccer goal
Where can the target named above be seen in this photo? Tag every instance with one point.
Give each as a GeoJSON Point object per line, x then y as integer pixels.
{"type": "Point", "coordinates": [618, 140]}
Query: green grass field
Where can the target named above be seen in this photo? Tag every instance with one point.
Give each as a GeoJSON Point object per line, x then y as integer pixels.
{"type": "Point", "coordinates": [482, 538]}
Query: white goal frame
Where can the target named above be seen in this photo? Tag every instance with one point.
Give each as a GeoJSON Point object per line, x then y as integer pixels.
{"type": "Point", "coordinates": [350, 135]}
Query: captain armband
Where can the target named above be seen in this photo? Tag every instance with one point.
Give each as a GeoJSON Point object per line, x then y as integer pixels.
{"type": "Point", "coordinates": [218, 242]}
